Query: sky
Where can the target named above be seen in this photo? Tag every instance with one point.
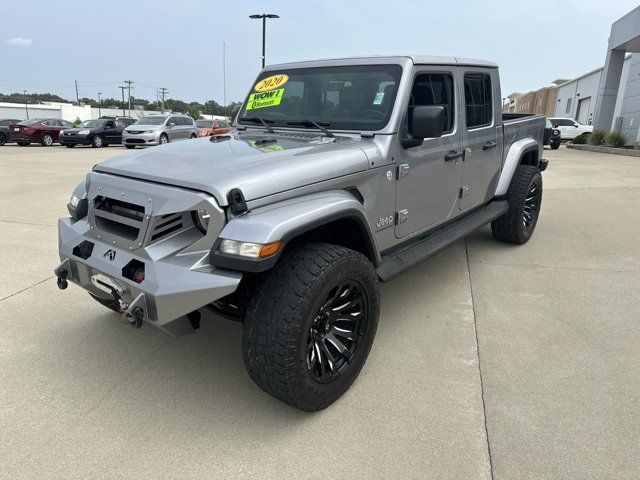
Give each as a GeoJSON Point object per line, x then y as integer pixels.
{"type": "Point", "coordinates": [45, 45]}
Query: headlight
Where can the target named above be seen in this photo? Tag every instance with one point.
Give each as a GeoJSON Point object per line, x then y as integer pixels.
{"type": "Point", "coordinates": [248, 249]}
{"type": "Point", "coordinates": [84, 132]}
{"type": "Point", "coordinates": [201, 219]}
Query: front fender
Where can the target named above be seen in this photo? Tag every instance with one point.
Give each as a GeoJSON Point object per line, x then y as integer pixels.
{"type": "Point", "coordinates": [285, 221]}
{"type": "Point", "coordinates": [511, 162]}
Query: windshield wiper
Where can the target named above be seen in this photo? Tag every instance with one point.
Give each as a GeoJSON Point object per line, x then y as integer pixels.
{"type": "Point", "coordinates": [319, 125]}
{"type": "Point", "coordinates": [259, 120]}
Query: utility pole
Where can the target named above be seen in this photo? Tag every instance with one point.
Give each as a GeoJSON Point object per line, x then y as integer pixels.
{"type": "Point", "coordinates": [163, 91]}
{"type": "Point", "coordinates": [99, 105]}
{"type": "Point", "coordinates": [123, 112]}
{"type": "Point", "coordinates": [224, 76]}
{"type": "Point", "coordinates": [26, 107]}
{"type": "Point", "coordinates": [77, 96]}
{"type": "Point", "coordinates": [129, 82]}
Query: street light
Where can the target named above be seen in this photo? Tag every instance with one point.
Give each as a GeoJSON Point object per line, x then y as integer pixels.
{"type": "Point", "coordinates": [264, 17]}
{"type": "Point", "coordinates": [99, 105]}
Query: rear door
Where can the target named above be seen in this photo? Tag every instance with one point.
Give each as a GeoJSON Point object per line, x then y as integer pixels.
{"type": "Point", "coordinates": [481, 140]}
{"type": "Point", "coordinates": [428, 176]}
{"type": "Point", "coordinates": [173, 132]}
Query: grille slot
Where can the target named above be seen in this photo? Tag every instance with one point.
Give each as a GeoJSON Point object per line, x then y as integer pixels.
{"type": "Point", "coordinates": [167, 224]}
{"type": "Point", "coordinates": [119, 218]}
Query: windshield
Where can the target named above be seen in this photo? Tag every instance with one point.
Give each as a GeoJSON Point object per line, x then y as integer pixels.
{"type": "Point", "coordinates": [548, 125]}
{"type": "Point", "coordinates": [151, 120]}
{"type": "Point", "coordinates": [355, 97]}
{"type": "Point", "coordinates": [91, 124]}
{"type": "Point", "coordinates": [204, 123]}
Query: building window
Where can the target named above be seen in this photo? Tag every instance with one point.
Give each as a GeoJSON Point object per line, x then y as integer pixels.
{"type": "Point", "coordinates": [569, 102]}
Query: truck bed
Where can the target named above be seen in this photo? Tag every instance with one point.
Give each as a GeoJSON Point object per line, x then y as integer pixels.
{"type": "Point", "coordinates": [516, 126]}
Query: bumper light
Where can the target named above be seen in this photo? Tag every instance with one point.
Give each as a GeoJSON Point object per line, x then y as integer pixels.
{"type": "Point", "coordinates": [250, 250]}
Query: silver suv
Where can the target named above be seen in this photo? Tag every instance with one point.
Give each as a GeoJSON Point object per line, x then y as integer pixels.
{"type": "Point", "coordinates": [158, 130]}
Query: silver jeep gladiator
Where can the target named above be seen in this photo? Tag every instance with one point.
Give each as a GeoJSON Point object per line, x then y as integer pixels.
{"type": "Point", "coordinates": [339, 174]}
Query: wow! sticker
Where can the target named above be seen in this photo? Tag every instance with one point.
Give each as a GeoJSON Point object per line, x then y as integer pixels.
{"type": "Point", "coordinates": [269, 83]}
{"type": "Point", "coordinates": [265, 99]}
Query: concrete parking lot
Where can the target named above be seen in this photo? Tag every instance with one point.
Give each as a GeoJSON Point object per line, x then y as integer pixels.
{"type": "Point", "coordinates": [491, 360]}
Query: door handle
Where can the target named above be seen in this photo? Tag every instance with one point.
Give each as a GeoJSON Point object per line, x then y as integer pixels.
{"type": "Point", "coordinates": [452, 155]}
{"type": "Point", "coordinates": [489, 146]}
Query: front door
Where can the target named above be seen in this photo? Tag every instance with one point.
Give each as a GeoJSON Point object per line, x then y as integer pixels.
{"type": "Point", "coordinates": [428, 177]}
{"type": "Point", "coordinates": [482, 137]}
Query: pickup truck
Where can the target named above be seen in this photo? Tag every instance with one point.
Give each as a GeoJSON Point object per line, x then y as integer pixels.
{"type": "Point", "coordinates": [339, 174]}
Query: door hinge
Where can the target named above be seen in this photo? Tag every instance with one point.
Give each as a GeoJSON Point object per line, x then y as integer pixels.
{"type": "Point", "coordinates": [402, 216]}
{"type": "Point", "coordinates": [403, 171]}
{"type": "Point", "coordinates": [464, 191]}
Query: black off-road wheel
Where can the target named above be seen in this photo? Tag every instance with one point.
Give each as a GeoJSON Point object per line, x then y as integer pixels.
{"type": "Point", "coordinates": [110, 304]}
{"type": "Point", "coordinates": [310, 324]}
{"type": "Point", "coordinates": [525, 200]}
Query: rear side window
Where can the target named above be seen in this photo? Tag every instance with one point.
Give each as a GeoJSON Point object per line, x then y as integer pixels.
{"type": "Point", "coordinates": [435, 89]}
{"type": "Point", "coordinates": [187, 121]}
{"type": "Point", "coordinates": [477, 99]}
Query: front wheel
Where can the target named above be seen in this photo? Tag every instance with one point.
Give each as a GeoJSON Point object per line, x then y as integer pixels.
{"type": "Point", "coordinates": [97, 142]}
{"type": "Point", "coordinates": [525, 200]}
{"type": "Point", "coordinates": [3, 139]}
{"type": "Point", "coordinates": [310, 324]}
{"type": "Point", "coordinates": [163, 139]}
{"type": "Point", "coordinates": [47, 140]}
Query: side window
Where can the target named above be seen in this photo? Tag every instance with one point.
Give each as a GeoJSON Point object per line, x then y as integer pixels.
{"type": "Point", "coordinates": [67, 124]}
{"type": "Point", "coordinates": [477, 99]}
{"type": "Point", "coordinates": [435, 89]}
{"type": "Point", "coordinates": [188, 121]}
{"type": "Point", "coordinates": [180, 121]}
{"type": "Point", "coordinates": [119, 124]}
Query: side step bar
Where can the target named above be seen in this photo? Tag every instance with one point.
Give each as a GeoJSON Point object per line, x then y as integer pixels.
{"type": "Point", "coordinates": [407, 256]}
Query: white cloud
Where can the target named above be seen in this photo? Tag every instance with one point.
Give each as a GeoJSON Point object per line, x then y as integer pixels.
{"type": "Point", "coordinates": [20, 42]}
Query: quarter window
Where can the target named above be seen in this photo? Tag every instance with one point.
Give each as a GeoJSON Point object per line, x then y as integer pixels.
{"type": "Point", "coordinates": [477, 98]}
{"type": "Point", "coordinates": [435, 89]}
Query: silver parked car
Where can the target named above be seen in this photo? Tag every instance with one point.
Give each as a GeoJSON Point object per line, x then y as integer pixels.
{"type": "Point", "coordinates": [158, 130]}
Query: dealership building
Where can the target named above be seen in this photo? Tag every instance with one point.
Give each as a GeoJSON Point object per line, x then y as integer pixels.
{"type": "Point", "coordinates": [607, 97]}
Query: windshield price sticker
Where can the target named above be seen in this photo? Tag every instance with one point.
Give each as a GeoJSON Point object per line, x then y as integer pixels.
{"type": "Point", "coordinates": [265, 99]}
{"type": "Point", "coordinates": [269, 83]}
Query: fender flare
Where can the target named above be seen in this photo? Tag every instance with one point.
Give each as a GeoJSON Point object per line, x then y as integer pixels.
{"type": "Point", "coordinates": [511, 162]}
{"type": "Point", "coordinates": [287, 220]}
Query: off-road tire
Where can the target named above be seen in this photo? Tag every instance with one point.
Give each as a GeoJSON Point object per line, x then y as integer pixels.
{"type": "Point", "coordinates": [110, 304]}
{"type": "Point", "coordinates": [511, 227]}
{"type": "Point", "coordinates": [282, 311]}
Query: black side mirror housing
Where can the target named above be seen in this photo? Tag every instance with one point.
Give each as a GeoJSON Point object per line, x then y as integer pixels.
{"type": "Point", "coordinates": [424, 122]}
{"type": "Point", "coordinates": [235, 112]}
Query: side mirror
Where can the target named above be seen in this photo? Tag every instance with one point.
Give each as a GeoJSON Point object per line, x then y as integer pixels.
{"type": "Point", "coordinates": [235, 112]}
{"type": "Point", "coordinates": [171, 124]}
{"type": "Point", "coordinates": [424, 122]}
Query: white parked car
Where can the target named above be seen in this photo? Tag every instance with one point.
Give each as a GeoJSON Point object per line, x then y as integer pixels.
{"type": "Point", "coordinates": [569, 128]}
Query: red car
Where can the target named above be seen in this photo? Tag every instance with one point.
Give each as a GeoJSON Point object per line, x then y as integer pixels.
{"type": "Point", "coordinates": [206, 128]}
{"type": "Point", "coordinates": [39, 130]}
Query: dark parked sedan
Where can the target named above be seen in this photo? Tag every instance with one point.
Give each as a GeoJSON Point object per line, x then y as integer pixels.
{"type": "Point", "coordinates": [5, 123]}
{"type": "Point", "coordinates": [551, 136]}
{"type": "Point", "coordinates": [39, 130]}
{"type": "Point", "coordinates": [97, 133]}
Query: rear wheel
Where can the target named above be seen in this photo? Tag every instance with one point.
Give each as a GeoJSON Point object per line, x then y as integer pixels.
{"type": "Point", "coordinates": [193, 135]}
{"type": "Point", "coordinates": [525, 200]}
{"type": "Point", "coordinates": [555, 146]}
{"type": "Point", "coordinates": [3, 139]}
{"type": "Point", "coordinates": [97, 142]}
{"type": "Point", "coordinates": [47, 140]}
{"type": "Point", "coordinates": [310, 325]}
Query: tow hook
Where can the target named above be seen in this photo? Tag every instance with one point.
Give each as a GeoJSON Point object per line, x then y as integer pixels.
{"type": "Point", "coordinates": [134, 312]}
{"type": "Point", "coordinates": [137, 315]}
{"type": "Point", "coordinates": [62, 279]}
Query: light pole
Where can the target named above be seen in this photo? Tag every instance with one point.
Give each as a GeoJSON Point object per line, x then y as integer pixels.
{"type": "Point", "coordinates": [264, 17]}
{"type": "Point", "coordinates": [26, 107]}
{"type": "Point", "coordinates": [99, 105]}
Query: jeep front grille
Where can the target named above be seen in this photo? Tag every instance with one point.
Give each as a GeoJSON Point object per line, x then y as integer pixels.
{"type": "Point", "coordinates": [119, 218]}
{"type": "Point", "coordinates": [166, 224]}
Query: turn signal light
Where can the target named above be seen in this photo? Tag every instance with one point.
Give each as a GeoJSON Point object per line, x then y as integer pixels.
{"type": "Point", "coordinates": [248, 249]}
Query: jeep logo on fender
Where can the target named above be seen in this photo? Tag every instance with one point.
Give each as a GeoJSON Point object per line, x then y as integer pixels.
{"type": "Point", "coordinates": [384, 222]}
{"type": "Point", "coordinates": [110, 254]}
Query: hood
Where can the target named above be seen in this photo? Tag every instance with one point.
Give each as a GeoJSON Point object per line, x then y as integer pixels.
{"type": "Point", "coordinates": [141, 126]}
{"type": "Point", "coordinates": [260, 164]}
{"type": "Point", "coordinates": [77, 129]}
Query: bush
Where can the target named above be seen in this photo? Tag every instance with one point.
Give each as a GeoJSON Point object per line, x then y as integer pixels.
{"type": "Point", "coordinates": [597, 137]}
{"type": "Point", "coordinates": [616, 139]}
{"type": "Point", "coordinates": [77, 121]}
{"type": "Point", "coordinates": [581, 139]}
